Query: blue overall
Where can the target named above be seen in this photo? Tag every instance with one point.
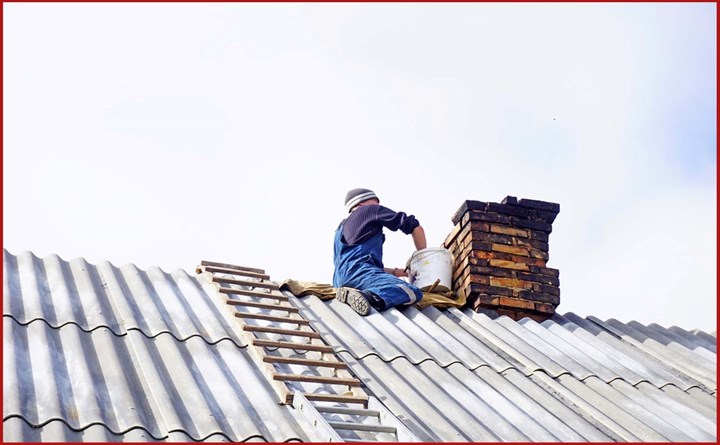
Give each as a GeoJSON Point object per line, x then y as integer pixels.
{"type": "Point", "coordinates": [361, 267]}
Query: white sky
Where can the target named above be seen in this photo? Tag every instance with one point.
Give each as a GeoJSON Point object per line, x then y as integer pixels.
{"type": "Point", "coordinates": [165, 134]}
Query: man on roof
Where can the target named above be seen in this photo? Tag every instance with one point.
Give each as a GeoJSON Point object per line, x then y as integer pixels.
{"type": "Point", "coordinates": [360, 276]}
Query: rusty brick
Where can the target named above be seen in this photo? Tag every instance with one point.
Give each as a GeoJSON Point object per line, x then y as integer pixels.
{"type": "Point", "coordinates": [478, 261]}
{"type": "Point", "coordinates": [493, 271]}
{"type": "Point", "coordinates": [539, 236]}
{"type": "Point", "coordinates": [526, 260]}
{"type": "Point", "coordinates": [490, 300]}
{"type": "Point", "coordinates": [505, 230]}
{"type": "Point", "coordinates": [517, 303]}
{"type": "Point", "coordinates": [510, 249]}
{"type": "Point", "coordinates": [511, 282]}
{"type": "Point", "coordinates": [508, 264]}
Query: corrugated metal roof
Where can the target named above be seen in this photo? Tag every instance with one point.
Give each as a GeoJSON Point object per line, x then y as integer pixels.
{"type": "Point", "coordinates": [99, 353]}
{"type": "Point", "coordinates": [145, 355]}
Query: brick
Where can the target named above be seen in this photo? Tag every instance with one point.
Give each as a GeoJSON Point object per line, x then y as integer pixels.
{"type": "Point", "coordinates": [485, 216]}
{"type": "Point", "coordinates": [538, 297]}
{"type": "Point", "coordinates": [510, 249]}
{"type": "Point", "coordinates": [510, 200]}
{"type": "Point", "coordinates": [477, 279]}
{"type": "Point", "coordinates": [516, 303]}
{"type": "Point", "coordinates": [537, 278]}
{"type": "Point", "coordinates": [452, 235]}
{"type": "Point", "coordinates": [505, 230]}
{"type": "Point", "coordinates": [493, 271]}
{"type": "Point", "coordinates": [534, 253]}
{"type": "Point", "coordinates": [538, 317]}
{"type": "Point", "coordinates": [539, 236]}
{"type": "Point", "coordinates": [490, 300]}
{"type": "Point", "coordinates": [466, 207]}
{"type": "Point", "coordinates": [531, 243]}
{"type": "Point", "coordinates": [545, 308]}
{"type": "Point", "coordinates": [545, 289]}
{"type": "Point", "coordinates": [509, 210]}
{"type": "Point", "coordinates": [541, 215]}
{"type": "Point", "coordinates": [540, 205]}
{"type": "Point", "coordinates": [490, 290]}
{"type": "Point", "coordinates": [493, 238]}
{"type": "Point", "coordinates": [511, 282]}
{"type": "Point", "coordinates": [509, 313]}
{"type": "Point", "coordinates": [526, 260]}
{"type": "Point", "coordinates": [535, 225]}
{"type": "Point", "coordinates": [508, 264]}
{"type": "Point", "coordinates": [549, 271]}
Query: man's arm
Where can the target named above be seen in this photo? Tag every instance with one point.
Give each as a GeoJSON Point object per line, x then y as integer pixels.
{"type": "Point", "coordinates": [418, 236]}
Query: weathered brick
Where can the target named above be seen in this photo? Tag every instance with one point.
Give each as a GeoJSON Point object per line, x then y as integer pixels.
{"type": "Point", "coordinates": [539, 236]}
{"type": "Point", "coordinates": [510, 282]}
{"type": "Point", "coordinates": [508, 264]}
{"type": "Point", "coordinates": [485, 216]}
{"type": "Point", "coordinates": [526, 260]}
{"type": "Point", "coordinates": [516, 303]}
{"type": "Point", "coordinates": [510, 249]}
{"type": "Point", "coordinates": [545, 308]}
{"type": "Point", "coordinates": [549, 271]}
{"type": "Point", "coordinates": [490, 300]}
{"type": "Point", "coordinates": [531, 243]}
{"type": "Point", "coordinates": [538, 317]}
{"type": "Point", "coordinates": [540, 205]}
{"type": "Point", "coordinates": [507, 312]}
{"type": "Point", "coordinates": [505, 230]}
{"type": "Point", "coordinates": [510, 200]}
{"type": "Point", "coordinates": [535, 225]}
{"type": "Point", "coordinates": [467, 206]}
{"type": "Point", "coordinates": [493, 238]}
{"type": "Point", "coordinates": [536, 277]}
{"type": "Point", "coordinates": [493, 271]}
{"type": "Point", "coordinates": [542, 215]}
{"type": "Point", "coordinates": [534, 253]}
{"type": "Point", "coordinates": [490, 290]}
{"type": "Point", "coordinates": [452, 235]}
{"type": "Point", "coordinates": [502, 209]}
{"type": "Point", "coordinates": [545, 289]}
{"type": "Point", "coordinates": [538, 297]}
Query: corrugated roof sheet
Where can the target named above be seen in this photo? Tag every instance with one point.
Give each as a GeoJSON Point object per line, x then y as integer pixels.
{"type": "Point", "coordinates": [95, 353]}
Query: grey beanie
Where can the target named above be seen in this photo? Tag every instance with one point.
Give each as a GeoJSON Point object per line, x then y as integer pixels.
{"type": "Point", "coordinates": [356, 196]}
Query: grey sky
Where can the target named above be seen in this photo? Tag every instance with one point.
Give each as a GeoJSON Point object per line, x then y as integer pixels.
{"type": "Point", "coordinates": [164, 134]}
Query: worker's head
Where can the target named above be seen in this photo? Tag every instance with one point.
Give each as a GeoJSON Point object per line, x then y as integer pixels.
{"type": "Point", "coordinates": [358, 197]}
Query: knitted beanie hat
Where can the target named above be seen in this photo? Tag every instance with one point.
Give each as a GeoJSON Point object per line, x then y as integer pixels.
{"type": "Point", "coordinates": [356, 196]}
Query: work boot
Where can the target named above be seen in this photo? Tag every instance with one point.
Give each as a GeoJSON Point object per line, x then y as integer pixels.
{"type": "Point", "coordinates": [354, 298]}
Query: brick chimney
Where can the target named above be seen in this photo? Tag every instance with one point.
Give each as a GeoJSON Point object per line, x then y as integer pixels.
{"type": "Point", "coordinates": [500, 252]}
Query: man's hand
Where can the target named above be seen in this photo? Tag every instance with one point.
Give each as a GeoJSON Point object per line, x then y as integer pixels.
{"type": "Point", "coordinates": [419, 240]}
{"type": "Point", "coordinates": [396, 272]}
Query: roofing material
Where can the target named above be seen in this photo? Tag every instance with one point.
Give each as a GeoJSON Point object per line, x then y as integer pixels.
{"type": "Point", "coordinates": [95, 353]}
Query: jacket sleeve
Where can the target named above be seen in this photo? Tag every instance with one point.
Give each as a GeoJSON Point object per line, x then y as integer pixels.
{"type": "Point", "coordinates": [397, 220]}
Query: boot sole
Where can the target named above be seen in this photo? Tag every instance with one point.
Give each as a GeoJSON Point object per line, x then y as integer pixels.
{"type": "Point", "coordinates": [354, 299]}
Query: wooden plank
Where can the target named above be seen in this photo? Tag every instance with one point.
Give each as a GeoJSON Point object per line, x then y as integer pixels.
{"type": "Point", "coordinates": [317, 379]}
{"type": "Point", "coordinates": [274, 330]}
{"type": "Point", "coordinates": [348, 411]}
{"type": "Point", "coordinates": [272, 286]}
{"type": "Point", "coordinates": [304, 362]}
{"type": "Point", "coordinates": [231, 266]}
{"type": "Point", "coordinates": [292, 345]}
{"type": "Point", "coordinates": [337, 398]}
{"type": "Point", "coordinates": [243, 273]}
{"type": "Point", "coordinates": [272, 307]}
{"type": "Point", "coordinates": [249, 293]}
{"type": "Point", "coordinates": [298, 321]}
{"type": "Point", "coordinates": [362, 427]}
